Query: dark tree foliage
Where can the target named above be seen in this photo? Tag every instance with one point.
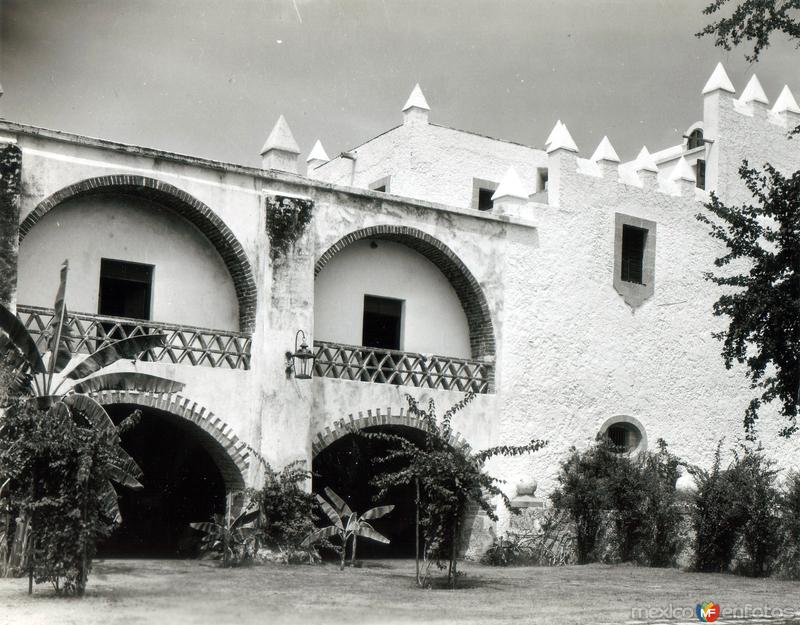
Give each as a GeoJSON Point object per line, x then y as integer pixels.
{"type": "Point", "coordinates": [762, 298]}
{"type": "Point", "coordinates": [450, 479]}
{"type": "Point", "coordinates": [58, 468]}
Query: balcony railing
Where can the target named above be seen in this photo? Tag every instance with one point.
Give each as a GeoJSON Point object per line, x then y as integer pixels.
{"type": "Point", "coordinates": [370, 364]}
{"type": "Point", "coordinates": [184, 344]}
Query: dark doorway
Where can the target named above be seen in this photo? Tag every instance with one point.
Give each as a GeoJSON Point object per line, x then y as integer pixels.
{"type": "Point", "coordinates": [348, 467]}
{"type": "Point", "coordinates": [383, 318]}
{"type": "Point", "coordinates": [182, 484]}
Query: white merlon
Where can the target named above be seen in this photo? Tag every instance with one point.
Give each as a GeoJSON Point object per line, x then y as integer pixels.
{"type": "Point", "coordinates": [553, 133]}
{"type": "Point", "coordinates": [510, 186]}
{"type": "Point", "coordinates": [753, 92]}
{"type": "Point", "coordinates": [318, 153]}
{"type": "Point", "coordinates": [281, 138]}
{"type": "Point", "coordinates": [683, 171]}
{"type": "Point", "coordinates": [645, 161]}
{"type": "Point", "coordinates": [416, 100]}
{"type": "Point", "coordinates": [718, 81]}
{"type": "Point", "coordinates": [605, 152]}
{"type": "Point", "coordinates": [560, 139]}
{"type": "Point", "coordinates": [786, 102]}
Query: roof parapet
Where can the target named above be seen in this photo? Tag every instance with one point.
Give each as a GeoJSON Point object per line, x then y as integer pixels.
{"type": "Point", "coordinates": [753, 92]}
{"type": "Point", "coordinates": [560, 139]}
{"type": "Point", "coordinates": [280, 150]}
{"type": "Point", "coordinates": [785, 102]}
{"type": "Point", "coordinates": [718, 81]}
{"type": "Point", "coordinates": [416, 108]}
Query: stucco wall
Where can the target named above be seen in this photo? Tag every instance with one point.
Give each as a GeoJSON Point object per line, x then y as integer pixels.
{"type": "Point", "coordinates": [191, 285]}
{"type": "Point", "coordinates": [433, 320]}
{"type": "Point", "coordinates": [434, 163]}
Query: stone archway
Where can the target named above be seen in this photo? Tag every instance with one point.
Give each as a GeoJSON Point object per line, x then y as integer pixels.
{"type": "Point", "coordinates": [182, 203]}
{"type": "Point", "coordinates": [228, 451]}
{"type": "Point", "coordinates": [469, 292]}
{"type": "Point", "coordinates": [373, 418]}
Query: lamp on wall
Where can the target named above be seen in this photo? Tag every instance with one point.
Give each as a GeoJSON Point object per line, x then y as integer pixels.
{"type": "Point", "coordinates": [301, 361]}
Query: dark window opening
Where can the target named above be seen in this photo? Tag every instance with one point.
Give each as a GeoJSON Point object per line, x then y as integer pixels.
{"type": "Point", "coordinates": [543, 177]}
{"type": "Point", "coordinates": [624, 437]}
{"type": "Point", "coordinates": [125, 289]}
{"type": "Point", "coordinates": [633, 243]}
{"type": "Point", "coordinates": [485, 201]}
{"type": "Point", "coordinates": [700, 174]}
{"type": "Point", "coordinates": [382, 188]}
{"type": "Point", "coordinates": [382, 322]}
{"type": "Point", "coordinates": [695, 140]}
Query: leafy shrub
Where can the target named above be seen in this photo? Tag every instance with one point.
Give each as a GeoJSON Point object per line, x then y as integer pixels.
{"type": "Point", "coordinates": [624, 507]}
{"type": "Point", "coordinates": [448, 478]}
{"type": "Point", "coordinates": [286, 510]}
{"type": "Point", "coordinates": [231, 539]}
{"type": "Point", "coordinates": [736, 508]}
{"type": "Point", "coordinates": [58, 473]}
{"type": "Point", "coordinates": [787, 563]}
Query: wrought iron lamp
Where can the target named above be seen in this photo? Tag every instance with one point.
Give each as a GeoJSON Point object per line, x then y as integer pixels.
{"type": "Point", "coordinates": [301, 361]}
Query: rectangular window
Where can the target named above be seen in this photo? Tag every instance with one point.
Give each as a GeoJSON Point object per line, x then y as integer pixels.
{"type": "Point", "coordinates": [633, 244]}
{"type": "Point", "coordinates": [383, 322]}
{"type": "Point", "coordinates": [543, 180]}
{"type": "Point", "coordinates": [485, 202]}
{"type": "Point", "coordinates": [700, 173]}
{"type": "Point", "coordinates": [125, 289]}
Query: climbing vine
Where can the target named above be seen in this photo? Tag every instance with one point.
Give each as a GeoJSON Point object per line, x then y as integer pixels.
{"type": "Point", "coordinates": [287, 219]}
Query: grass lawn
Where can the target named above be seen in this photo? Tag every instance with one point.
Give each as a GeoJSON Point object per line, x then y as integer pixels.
{"type": "Point", "coordinates": [183, 592]}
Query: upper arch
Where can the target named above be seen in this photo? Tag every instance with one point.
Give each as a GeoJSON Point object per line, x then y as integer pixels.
{"type": "Point", "coordinates": [469, 292]}
{"type": "Point", "coordinates": [185, 205]}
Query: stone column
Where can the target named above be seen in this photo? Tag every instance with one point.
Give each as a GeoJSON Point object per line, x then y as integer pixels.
{"type": "Point", "coordinates": [10, 175]}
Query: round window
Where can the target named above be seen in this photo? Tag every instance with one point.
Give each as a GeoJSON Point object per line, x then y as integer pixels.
{"type": "Point", "coordinates": [626, 434]}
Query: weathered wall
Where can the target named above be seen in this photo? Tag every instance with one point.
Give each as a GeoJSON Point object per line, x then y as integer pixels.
{"type": "Point", "coordinates": [10, 174]}
{"type": "Point", "coordinates": [433, 320]}
{"type": "Point", "coordinates": [434, 163]}
{"type": "Point", "coordinates": [191, 285]}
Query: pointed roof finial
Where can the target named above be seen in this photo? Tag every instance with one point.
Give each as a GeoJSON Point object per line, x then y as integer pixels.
{"type": "Point", "coordinates": [281, 138]}
{"type": "Point", "coordinates": [719, 80]}
{"type": "Point", "coordinates": [605, 152]}
{"type": "Point", "coordinates": [510, 186]}
{"type": "Point", "coordinates": [318, 153]}
{"type": "Point", "coordinates": [560, 139]}
{"type": "Point", "coordinates": [683, 171]}
{"type": "Point", "coordinates": [416, 100]}
{"type": "Point", "coordinates": [786, 102]}
{"type": "Point", "coordinates": [753, 92]}
{"type": "Point", "coordinates": [645, 161]}
{"type": "Point", "coordinates": [553, 133]}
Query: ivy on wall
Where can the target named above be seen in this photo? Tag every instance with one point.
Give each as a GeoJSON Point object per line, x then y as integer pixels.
{"type": "Point", "coordinates": [287, 219]}
{"type": "Point", "coordinates": [10, 174]}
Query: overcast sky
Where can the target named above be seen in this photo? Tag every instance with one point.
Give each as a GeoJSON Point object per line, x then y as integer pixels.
{"type": "Point", "coordinates": [210, 78]}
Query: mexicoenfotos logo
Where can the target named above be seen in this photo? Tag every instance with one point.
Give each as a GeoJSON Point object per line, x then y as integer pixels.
{"type": "Point", "coordinates": [707, 612]}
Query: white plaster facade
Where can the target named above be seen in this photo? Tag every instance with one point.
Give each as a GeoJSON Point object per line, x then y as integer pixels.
{"type": "Point", "coordinates": [525, 290]}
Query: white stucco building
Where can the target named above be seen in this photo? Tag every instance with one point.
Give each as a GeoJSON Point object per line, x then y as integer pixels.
{"type": "Point", "coordinates": [567, 292]}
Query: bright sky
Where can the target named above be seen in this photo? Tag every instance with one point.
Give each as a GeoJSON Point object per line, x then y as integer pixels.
{"type": "Point", "coordinates": [210, 77]}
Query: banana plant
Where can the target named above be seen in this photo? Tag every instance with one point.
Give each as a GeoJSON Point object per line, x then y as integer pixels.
{"type": "Point", "coordinates": [60, 379]}
{"type": "Point", "coordinates": [232, 538]}
{"type": "Point", "coordinates": [347, 524]}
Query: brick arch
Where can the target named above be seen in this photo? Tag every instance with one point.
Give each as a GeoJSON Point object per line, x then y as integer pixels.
{"type": "Point", "coordinates": [469, 291]}
{"type": "Point", "coordinates": [229, 453]}
{"type": "Point", "coordinates": [185, 205]}
{"type": "Point", "coordinates": [373, 418]}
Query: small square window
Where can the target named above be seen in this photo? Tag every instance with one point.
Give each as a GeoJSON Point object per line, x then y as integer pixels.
{"type": "Point", "coordinates": [125, 289]}
{"type": "Point", "coordinates": [482, 192]}
{"type": "Point", "coordinates": [383, 322]}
